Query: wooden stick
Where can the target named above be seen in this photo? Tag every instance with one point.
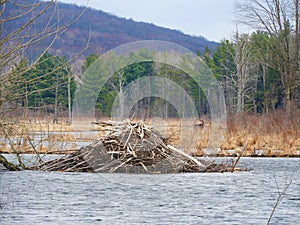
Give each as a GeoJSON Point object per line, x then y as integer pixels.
{"type": "Point", "coordinates": [238, 158]}
{"type": "Point", "coordinates": [187, 156]}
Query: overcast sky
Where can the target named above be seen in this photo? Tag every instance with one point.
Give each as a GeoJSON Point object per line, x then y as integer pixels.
{"type": "Point", "coordinates": [212, 19]}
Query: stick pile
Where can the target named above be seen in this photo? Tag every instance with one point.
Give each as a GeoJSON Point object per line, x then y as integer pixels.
{"type": "Point", "coordinates": [131, 147]}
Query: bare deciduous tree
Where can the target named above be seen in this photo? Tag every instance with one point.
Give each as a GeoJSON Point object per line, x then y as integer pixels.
{"type": "Point", "coordinates": [244, 80]}
{"type": "Point", "coordinates": [18, 36]}
{"type": "Point", "coordinates": [18, 41]}
{"type": "Point", "coordinates": [280, 18]}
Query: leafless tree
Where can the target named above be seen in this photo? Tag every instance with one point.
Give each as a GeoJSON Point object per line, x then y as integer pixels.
{"type": "Point", "coordinates": [244, 80]}
{"type": "Point", "coordinates": [280, 18]}
{"type": "Point", "coordinates": [119, 88]}
{"type": "Point", "coordinates": [15, 43]}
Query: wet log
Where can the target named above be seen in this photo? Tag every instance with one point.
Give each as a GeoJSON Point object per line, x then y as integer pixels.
{"type": "Point", "coordinates": [8, 165]}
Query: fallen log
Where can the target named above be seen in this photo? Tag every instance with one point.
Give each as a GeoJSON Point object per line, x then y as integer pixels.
{"type": "Point", "coordinates": [8, 165]}
{"type": "Point", "coordinates": [131, 147]}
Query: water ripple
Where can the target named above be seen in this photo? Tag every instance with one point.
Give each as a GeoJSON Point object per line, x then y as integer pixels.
{"type": "Point", "coordinates": [227, 198]}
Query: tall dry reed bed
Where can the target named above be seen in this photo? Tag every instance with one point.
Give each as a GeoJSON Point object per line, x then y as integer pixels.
{"type": "Point", "coordinates": [274, 134]}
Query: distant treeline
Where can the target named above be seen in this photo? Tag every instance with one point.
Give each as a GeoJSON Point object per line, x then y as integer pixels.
{"type": "Point", "coordinates": [245, 68]}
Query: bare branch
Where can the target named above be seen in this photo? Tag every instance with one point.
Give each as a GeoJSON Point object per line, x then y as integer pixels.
{"type": "Point", "coordinates": [279, 198]}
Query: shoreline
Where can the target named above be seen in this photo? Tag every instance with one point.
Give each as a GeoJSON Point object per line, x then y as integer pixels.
{"type": "Point", "coordinates": [267, 135]}
{"type": "Point", "coordinates": [69, 151]}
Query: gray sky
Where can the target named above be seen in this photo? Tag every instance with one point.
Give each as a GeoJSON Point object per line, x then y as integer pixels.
{"type": "Point", "coordinates": [213, 19]}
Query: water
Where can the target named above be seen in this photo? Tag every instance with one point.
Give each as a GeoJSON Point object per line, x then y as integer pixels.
{"type": "Point", "coordinates": [77, 198]}
{"type": "Point", "coordinates": [42, 138]}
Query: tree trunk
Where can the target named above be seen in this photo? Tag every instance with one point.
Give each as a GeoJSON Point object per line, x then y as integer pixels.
{"type": "Point", "coordinates": [26, 103]}
{"type": "Point", "coordinates": [69, 99]}
{"type": "Point", "coordinates": [239, 107]}
{"type": "Point", "coordinates": [55, 119]}
{"type": "Point", "coordinates": [290, 101]}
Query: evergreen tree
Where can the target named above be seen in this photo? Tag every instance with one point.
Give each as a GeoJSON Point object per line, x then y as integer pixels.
{"type": "Point", "coordinates": [45, 86]}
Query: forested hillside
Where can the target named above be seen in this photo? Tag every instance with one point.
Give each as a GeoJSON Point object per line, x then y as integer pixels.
{"type": "Point", "coordinates": [102, 31]}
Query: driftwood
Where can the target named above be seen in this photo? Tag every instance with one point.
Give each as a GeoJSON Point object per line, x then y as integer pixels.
{"type": "Point", "coordinates": [131, 147]}
{"type": "Point", "coordinates": [8, 165]}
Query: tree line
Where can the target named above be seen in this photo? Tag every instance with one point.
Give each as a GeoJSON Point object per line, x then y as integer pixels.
{"type": "Point", "coordinates": [259, 72]}
{"type": "Point", "coordinates": [245, 67]}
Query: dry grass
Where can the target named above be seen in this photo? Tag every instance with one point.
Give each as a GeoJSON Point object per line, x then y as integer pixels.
{"type": "Point", "coordinates": [265, 134]}
{"type": "Point", "coordinates": [271, 135]}
{"type": "Point", "coordinates": [268, 135]}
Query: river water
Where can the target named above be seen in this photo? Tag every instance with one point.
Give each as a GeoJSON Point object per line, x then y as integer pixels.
{"type": "Point", "coordinates": [29, 197]}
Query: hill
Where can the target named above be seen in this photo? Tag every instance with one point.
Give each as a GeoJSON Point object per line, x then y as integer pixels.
{"type": "Point", "coordinates": [107, 31]}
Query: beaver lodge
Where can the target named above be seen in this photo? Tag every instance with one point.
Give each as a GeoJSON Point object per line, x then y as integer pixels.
{"type": "Point", "coordinates": [131, 147]}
